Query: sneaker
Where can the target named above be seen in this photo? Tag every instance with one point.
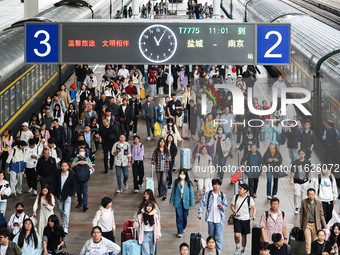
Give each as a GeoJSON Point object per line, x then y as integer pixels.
{"type": "Point", "coordinates": [134, 134]}
{"type": "Point", "coordinates": [79, 205]}
{"type": "Point", "coordinates": [35, 193]}
{"type": "Point", "coordinates": [19, 192]}
{"type": "Point", "coordinates": [179, 235]}
{"type": "Point", "coordinates": [243, 252]}
{"type": "Point", "coordinates": [237, 251]}
{"type": "Point", "coordinates": [184, 230]}
{"type": "Point", "coordinates": [164, 198]}
{"type": "Point", "coordinates": [142, 186]}
{"type": "Point", "coordinates": [85, 208]}
{"type": "Point", "coordinates": [106, 171]}
{"type": "Point", "coordinates": [126, 186]}
{"type": "Point", "coordinates": [148, 139]}
{"type": "Point", "coordinates": [296, 211]}
{"type": "Point", "coordinates": [169, 187]}
{"type": "Point", "coordinates": [66, 230]}
{"type": "Point", "coordinates": [118, 191]}
{"type": "Point", "coordinates": [30, 190]}
{"type": "Point", "coordinates": [269, 197]}
{"type": "Point", "coordinates": [13, 194]}
{"type": "Point", "coordinates": [136, 190]}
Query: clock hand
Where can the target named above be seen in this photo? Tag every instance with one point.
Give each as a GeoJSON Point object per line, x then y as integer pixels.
{"type": "Point", "coordinates": [157, 43]}
{"type": "Point", "coordinates": [161, 38]}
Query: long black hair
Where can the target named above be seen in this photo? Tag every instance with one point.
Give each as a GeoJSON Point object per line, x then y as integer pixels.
{"type": "Point", "coordinates": [32, 234]}
{"type": "Point", "coordinates": [333, 238]}
{"type": "Point", "coordinates": [187, 179]}
{"type": "Point", "coordinates": [148, 219]}
{"type": "Point", "coordinates": [58, 230]}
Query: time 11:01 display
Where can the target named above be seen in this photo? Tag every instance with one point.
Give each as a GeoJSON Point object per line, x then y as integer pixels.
{"type": "Point", "coordinates": [221, 30]}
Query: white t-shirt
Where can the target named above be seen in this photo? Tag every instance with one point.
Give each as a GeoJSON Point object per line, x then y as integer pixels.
{"type": "Point", "coordinates": [244, 210]}
{"type": "Point", "coordinates": [3, 249]}
{"type": "Point", "coordinates": [25, 135]}
{"type": "Point", "coordinates": [124, 72]}
{"type": "Point", "coordinates": [96, 248]}
{"type": "Point", "coordinates": [147, 228]}
{"type": "Point", "coordinates": [274, 216]}
{"type": "Point", "coordinates": [215, 215]}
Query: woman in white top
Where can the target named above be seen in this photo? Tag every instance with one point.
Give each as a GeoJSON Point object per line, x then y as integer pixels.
{"type": "Point", "coordinates": [203, 171]}
{"type": "Point", "coordinates": [57, 113]}
{"type": "Point", "coordinates": [171, 129]}
{"type": "Point", "coordinates": [5, 191]}
{"type": "Point", "coordinates": [46, 202]}
{"type": "Point", "coordinates": [105, 219]}
{"type": "Point", "coordinates": [99, 245]}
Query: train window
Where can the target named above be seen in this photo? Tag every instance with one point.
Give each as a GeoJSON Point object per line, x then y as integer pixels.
{"type": "Point", "coordinates": [18, 95]}
{"type": "Point", "coordinates": [33, 80]}
{"type": "Point", "coordinates": [23, 89]}
{"type": "Point", "coordinates": [41, 75]}
{"type": "Point", "coordinates": [6, 106]}
{"type": "Point", "coordinates": [2, 105]}
{"type": "Point", "coordinates": [48, 70]}
{"type": "Point", "coordinates": [29, 85]}
{"type": "Point", "coordinates": [12, 98]}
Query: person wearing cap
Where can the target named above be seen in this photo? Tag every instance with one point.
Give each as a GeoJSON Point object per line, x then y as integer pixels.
{"type": "Point", "coordinates": [311, 218]}
{"type": "Point", "coordinates": [16, 164]}
{"type": "Point", "coordinates": [330, 136]}
{"type": "Point", "coordinates": [306, 139]}
{"type": "Point", "coordinates": [136, 108]}
{"type": "Point", "coordinates": [240, 206]}
{"type": "Point", "coordinates": [24, 134]}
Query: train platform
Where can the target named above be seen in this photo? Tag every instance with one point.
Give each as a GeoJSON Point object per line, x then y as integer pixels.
{"type": "Point", "coordinates": [13, 10]}
{"type": "Point", "coordinates": [125, 204]}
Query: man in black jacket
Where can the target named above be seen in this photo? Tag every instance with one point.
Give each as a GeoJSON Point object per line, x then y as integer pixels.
{"type": "Point", "coordinates": [99, 104]}
{"type": "Point", "coordinates": [125, 118]}
{"type": "Point", "coordinates": [149, 112]}
{"type": "Point", "coordinates": [65, 188]}
{"type": "Point", "coordinates": [253, 168]}
{"type": "Point", "coordinates": [47, 170]}
{"type": "Point", "coordinates": [247, 141]}
{"type": "Point", "coordinates": [136, 107]}
{"type": "Point", "coordinates": [109, 136]}
{"type": "Point", "coordinates": [58, 133]}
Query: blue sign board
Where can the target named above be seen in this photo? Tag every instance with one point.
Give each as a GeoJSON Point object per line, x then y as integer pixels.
{"type": "Point", "coordinates": [42, 43]}
{"type": "Point", "coordinates": [273, 44]}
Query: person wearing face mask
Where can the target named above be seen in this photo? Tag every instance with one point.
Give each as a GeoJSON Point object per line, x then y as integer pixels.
{"type": "Point", "coordinates": [221, 147]}
{"type": "Point", "coordinates": [247, 142]}
{"type": "Point", "coordinates": [171, 129]}
{"type": "Point", "coordinates": [182, 198]}
{"type": "Point", "coordinates": [15, 223]}
{"type": "Point", "coordinates": [81, 166]}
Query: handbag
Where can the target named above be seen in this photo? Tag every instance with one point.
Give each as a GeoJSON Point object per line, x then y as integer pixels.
{"type": "Point", "coordinates": [232, 217]}
{"type": "Point", "coordinates": [179, 112]}
{"type": "Point", "coordinates": [122, 119]}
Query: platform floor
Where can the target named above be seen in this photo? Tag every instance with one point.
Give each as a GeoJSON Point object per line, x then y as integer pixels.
{"type": "Point", "coordinates": [125, 204]}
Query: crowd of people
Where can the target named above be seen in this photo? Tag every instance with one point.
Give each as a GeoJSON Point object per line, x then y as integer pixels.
{"type": "Point", "coordinates": [56, 149]}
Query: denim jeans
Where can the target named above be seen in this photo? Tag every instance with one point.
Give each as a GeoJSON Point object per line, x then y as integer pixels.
{"type": "Point", "coordinates": [230, 136]}
{"type": "Point", "coordinates": [146, 84]}
{"type": "Point", "coordinates": [199, 125]}
{"type": "Point", "coordinates": [162, 185]}
{"type": "Point", "coordinates": [3, 206]}
{"type": "Point", "coordinates": [148, 245]}
{"type": "Point", "coordinates": [152, 90]}
{"type": "Point", "coordinates": [65, 208]}
{"type": "Point", "coordinates": [269, 185]}
{"type": "Point", "coordinates": [119, 170]}
{"type": "Point", "coordinates": [181, 217]}
{"type": "Point", "coordinates": [82, 193]}
{"type": "Point", "coordinates": [138, 90]}
{"type": "Point", "coordinates": [70, 132]}
{"type": "Point", "coordinates": [216, 230]}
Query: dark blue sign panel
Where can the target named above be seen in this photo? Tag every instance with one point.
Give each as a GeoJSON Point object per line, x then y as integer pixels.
{"type": "Point", "coordinates": [273, 44]}
{"type": "Point", "coordinates": [42, 43]}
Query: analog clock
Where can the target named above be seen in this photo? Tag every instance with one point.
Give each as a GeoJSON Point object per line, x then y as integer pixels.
{"type": "Point", "coordinates": [157, 43]}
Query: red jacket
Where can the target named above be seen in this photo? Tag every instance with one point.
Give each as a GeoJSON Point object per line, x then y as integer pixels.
{"type": "Point", "coordinates": [152, 79]}
{"type": "Point", "coordinates": [129, 89]}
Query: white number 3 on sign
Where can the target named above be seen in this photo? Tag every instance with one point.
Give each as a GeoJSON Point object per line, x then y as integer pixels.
{"type": "Point", "coordinates": [44, 42]}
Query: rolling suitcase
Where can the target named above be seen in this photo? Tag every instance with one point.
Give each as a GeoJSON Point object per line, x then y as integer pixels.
{"type": "Point", "coordinates": [185, 131]}
{"type": "Point", "coordinates": [185, 158]}
{"type": "Point", "coordinates": [149, 182]}
{"type": "Point", "coordinates": [298, 247]}
{"type": "Point", "coordinates": [255, 239]}
{"type": "Point", "coordinates": [131, 246]}
{"type": "Point", "coordinates": [195, 241]}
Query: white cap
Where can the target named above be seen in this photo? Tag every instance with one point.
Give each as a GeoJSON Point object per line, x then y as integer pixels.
{"type": "Point", "coordinates": [239, 76]}
{"type": "Point", "coordinates": [24, 124]}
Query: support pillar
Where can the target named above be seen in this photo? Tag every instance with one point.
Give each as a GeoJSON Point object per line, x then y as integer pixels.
{"type": "Point", "coordinates": [31, 8]}
{"type": "Point", "coordinates": [216, 9]}
{"type": "Point", "coordinates": [135, 9]}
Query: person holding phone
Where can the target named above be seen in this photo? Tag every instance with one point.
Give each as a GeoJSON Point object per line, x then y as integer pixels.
{"type": "Point", "coordinates": [15, 223]}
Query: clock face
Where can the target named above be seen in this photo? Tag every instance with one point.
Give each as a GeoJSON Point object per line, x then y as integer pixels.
{"type": "Point", "coordinates": [157, 43]}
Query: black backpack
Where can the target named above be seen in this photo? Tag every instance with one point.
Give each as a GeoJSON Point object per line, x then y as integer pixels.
{"type": "Point", "coordinates": [82, 172]}
{"type": "Point", "coordinates": [210, 192]}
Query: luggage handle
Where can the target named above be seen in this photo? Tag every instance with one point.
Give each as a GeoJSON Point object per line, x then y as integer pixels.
{"type": "Point", "coordinates": [199, 226]}
{"type": "Point", "coordinates": [134, 232]}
